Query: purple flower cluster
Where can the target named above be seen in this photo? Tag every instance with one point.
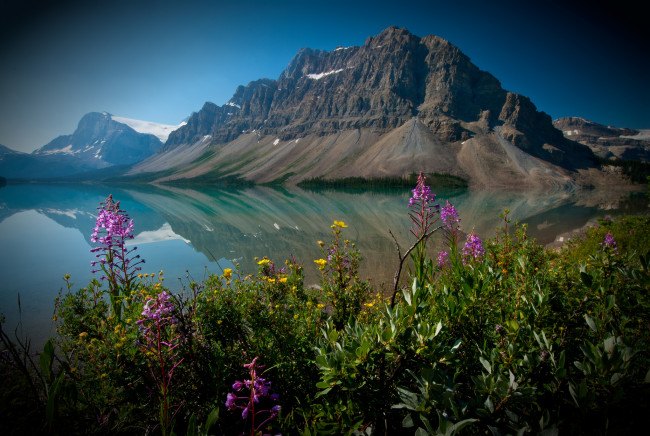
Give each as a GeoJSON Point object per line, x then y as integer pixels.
{"type": "Point", "coordinates": [160, 345]}
{"type": "Point", "coordinates": [448, 215]}
{"type": "Point", "coordinates": [443, 259]}
{"type": "Point", "coordinates": [424, 209]}
{"type": "Point", "coordinates": [473, 249]}
{"type": "Point", "coordinates": [157, 311]}
{"type": "Point", "coordinates": [450, 220]}
{"type": "Point", "coordinates": [422, 192]}
{"type": "Point", "coordinates": [258, 388]}
{"type": "Point", "coordinates": [112, 229]}
{"type": "Point", "coordinates": [609, 244]}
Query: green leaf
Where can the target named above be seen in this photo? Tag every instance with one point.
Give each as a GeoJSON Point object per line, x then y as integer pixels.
{"type": "Point", "coordinates": [46, 359]}
{"type": "Point", "coordinates": [459, 426]}
{"type": "Point", "coordinates": [192, 428]}
{"type": "Point", "coordinates": [52, 398]}
{"type": "Point", "coordinates": [586, 279]}
{"type": "Point", "coordinates": [485, 364]}
{"type": "Point", "coordinates": [591, 323]}
{"type": "Point", "coordinates": [488, 405]}
{"type": "Point", "coordinates": [427, 425]}
{"type": "Point", "coordinates": [438, 328]}
{"type": "Point", "coordinates": [407, 422]}
{"type": "Point", "coordinates": [407, 294]}
{"type": "Point", "coordinates": [610, 344]}
{"type": "Point", "coordinates": [323, 392]}
{"type": "Point", "coordinates": [212, 419]}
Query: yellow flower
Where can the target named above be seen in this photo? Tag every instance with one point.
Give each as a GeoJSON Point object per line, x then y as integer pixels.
{"type": "Point", "coordinates": [321, 263]}
{"type": "Point", "coordinates": [227, 273]}
{"type": "Point", "coordinates": [82, 335]}
{"type": "Point", "coordinates": [339, 224]}
{"type": "Point", "coordinates": [263, 261]}
{"type": "Point", "coordinates": [321, 243]}
{"type": "Point", "coordinates": [283, 280]}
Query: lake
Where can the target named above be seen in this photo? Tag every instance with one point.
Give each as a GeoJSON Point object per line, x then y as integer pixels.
{"type": "Point", "coordinates": [190, 232]}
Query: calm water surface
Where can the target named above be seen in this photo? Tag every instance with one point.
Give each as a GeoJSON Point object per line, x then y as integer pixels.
{"type": "Point", "coordinates": [188, 233]}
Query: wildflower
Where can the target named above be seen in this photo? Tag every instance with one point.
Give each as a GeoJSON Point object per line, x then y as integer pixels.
{"type": "Point", "coordinates": [118, 263]}
{"type": "Point", "coordinates": [443, 259]}
{"type": "Point", "coordinates": [609, 244]}
{"type": "Point", "coordinates": [421, 192]}
{"type": "Point", "coordinates": [321, 243]}
{"type": "Point", "coordinates": [448, 215]}
{"type": "Point", "coordinates": [473, 249]}
{"type": "Point", "coordinates": [263, 261]}
{"type": "Point", "coordinates": [321, 263]}
{"type": "Point", "coordinates": [422, 204]}
{"type": "Point", "coordinates": [259, 391]}
{"type": "Point", "coordinates": [339, 224]}
{"type": "Point", "coordinates": [159, 346]}
{"type": "Point", "coordinates": [227, 273]}
{"type": "Point", "coordinates": [158, 310]}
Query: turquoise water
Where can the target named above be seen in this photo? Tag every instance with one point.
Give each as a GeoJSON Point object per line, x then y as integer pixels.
{"type": "Point", "coordinates": [188, 233]}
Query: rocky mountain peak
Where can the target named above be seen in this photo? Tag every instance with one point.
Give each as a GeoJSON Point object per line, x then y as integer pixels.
{"type": "Point", "coordinates": [393, 81]}
{"type": "Point", "coordinates": [606, 141]}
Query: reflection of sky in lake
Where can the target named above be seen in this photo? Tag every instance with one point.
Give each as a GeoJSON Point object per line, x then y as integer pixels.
{"type": "Point", "coordinates": [45, 231]}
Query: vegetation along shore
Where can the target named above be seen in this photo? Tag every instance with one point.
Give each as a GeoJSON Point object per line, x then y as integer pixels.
{"type": "Point", "coordinates": [496, 336]}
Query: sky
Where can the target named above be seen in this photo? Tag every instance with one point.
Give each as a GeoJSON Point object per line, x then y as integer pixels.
{"type": "Point", "coordinates": [162, 60]}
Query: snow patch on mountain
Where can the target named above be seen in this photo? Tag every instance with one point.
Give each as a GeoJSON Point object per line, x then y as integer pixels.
{"type": "Point", "coordinates": [161, 131]}
{"type": "Point", "coordinates": [643, 135]}
{"type": "Point", "coordinates": [165, 233]}
{"type": "Point", "coordinates": [65, 150]}
{"type": "Point", "coordinates": [321, 75]}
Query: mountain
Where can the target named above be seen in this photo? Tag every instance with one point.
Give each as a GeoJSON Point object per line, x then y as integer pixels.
{"type": "Point", "coordinates": [607, 142]}
{"type": "Point", "coordinates": [4, 150]}
{"type": "Point", "coordinates": [396, 105]}
{"type": "Point", "coordinates": [100, 141]}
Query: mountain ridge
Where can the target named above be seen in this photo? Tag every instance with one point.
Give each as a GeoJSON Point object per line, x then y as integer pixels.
{"type": "Point", "coordinates": [98, 142]}
{"type": "Point", "coordinates": [396, 105]}
{"type": "Point", "coordinates": [324, 99]}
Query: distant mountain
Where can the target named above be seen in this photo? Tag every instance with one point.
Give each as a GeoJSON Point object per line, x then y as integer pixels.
{"type": "Point", "coordinates": [607, 142]}
{"type": "Point", "coordinates": [7, 151]}
{"type": "Point", "coordinates": [396, 105]}
{"type": "Point", "coordinates": [100, 141]}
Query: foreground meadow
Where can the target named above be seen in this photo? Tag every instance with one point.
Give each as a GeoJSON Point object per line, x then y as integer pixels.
{"type": "Point", "coordinates": [488, 337]}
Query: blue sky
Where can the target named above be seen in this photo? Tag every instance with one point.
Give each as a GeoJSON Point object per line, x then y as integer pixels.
{"type": "Point", "coordinates": [161, 60]}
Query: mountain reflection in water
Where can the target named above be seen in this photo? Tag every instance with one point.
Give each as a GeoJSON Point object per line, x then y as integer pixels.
{"type": "Point", "coordinates": [45, 230]}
